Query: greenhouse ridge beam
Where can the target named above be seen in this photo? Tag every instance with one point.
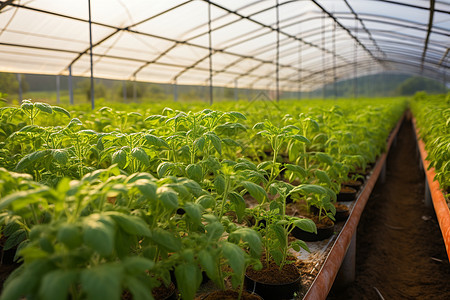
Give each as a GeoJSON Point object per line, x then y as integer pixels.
{"type": "Point", "coordinates": [140, 33]}
{"type": "Point", "coordinates": [364, 27]}
{"type": "Point", "coordinates": [6, 3]}
{"type": "Point", "coordinates": [430, 26]}
{"type": "Point", "coordinates": [346, 29]}
{"type": "Point", "coordinates": [412, 5]}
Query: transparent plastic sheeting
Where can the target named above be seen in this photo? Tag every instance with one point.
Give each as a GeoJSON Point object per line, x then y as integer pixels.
{"type": "Point", "coordinates": [317, 41]}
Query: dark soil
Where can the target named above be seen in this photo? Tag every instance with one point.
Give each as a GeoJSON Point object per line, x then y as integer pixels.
{"type": "Point", "coordinates": [400, 250]}
{"type": "Point", "coordinates": [271, 274]}
{"type": "Point", "coordinates": [229, 295]}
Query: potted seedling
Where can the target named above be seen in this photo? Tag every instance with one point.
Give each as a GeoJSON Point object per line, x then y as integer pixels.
{"type": "Point", "coordinates": [277, 263]}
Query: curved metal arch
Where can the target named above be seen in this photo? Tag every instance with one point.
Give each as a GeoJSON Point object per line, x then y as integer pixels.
{"type": "Point", "coordinates": [379, 17]}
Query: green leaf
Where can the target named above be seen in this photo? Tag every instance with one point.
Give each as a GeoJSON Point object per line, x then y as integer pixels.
{"type": "Point", "coordinates": [138, 289]}
{"type": "Point", "coordinates": [250, 236]}
{"type": "Point", "coordinates": [207, 201]}
{"type": "Point", "coordinates": [168, 197]}
{"type": "Point", "coordinates": [280, 234]}
{"type": "Point", "coordinates": [60, 156]}
{"type": "Point", "coordinates": [255, 190]}
{"type": "Point", "coordinates": [61, 110]}
{"type": "Point", "coordinates": [214, 230]}
{"type": "Point", "coordinates": [156, 141]}
{"type": "Point", "coordinates": [55, 285]}
{"type": "Point", "coordinates": [237, 115]}
{"type": "Point", "coordinates": [44, 107]}
{"type": "Point", "coordinates": [215, 141]}
{"type": "Point", "coordinates": [301, 138]}
{"type": "Point", "coordinates": [120, 158]}
{"type": "Point", "coordinates": [29, 159]}
{"type": "Point", "coordinates": [200, 143]}
{"type": "Point", "coordinates": [307, 189]}
{"type": "Point", "coordinates": [306, 225]}
{"type": "Point", "coordinates": [189, 278]}
{"type": "Point", "coordinates": [239, 204]}
{"type": "Point", "coordinates": [162, 168]}
{"type": "Point", "coordinates": [69, 235]}
{"type": "Point", "coordinates": [236, 259]}
{"type": "Point", "coordinates": [209, 264]}
{"type": "Point", "coordinates": [324, 158]}
{"type": "Point", "coordinates": [194, 211]}
{"type": "Point", "coordinates": [130, 224]}
{"type": "Point", "coordinates": [323, 177]}
{"type": "Point", "coordinates": [147, 188]}
{"type": "Point", "coordinates": [137, 265]}
{"type": "Point", "coordinates": [21, 199]}
{"type": "Point", "coordinates": [166, 239]}
{"type": "Point", "coordinates": [152, 118]}
{"type": "Point", "coordinates": [299, 171]}
{"type": "Point", "coordinates": [219, 184]}
{"type": "Point", "coordinates": [99, 234]}
{"type": "Point", "coordinates": [102, 282]}
{"type": "Point", "coordinates": [140, 155]}
{"type": "Point", "coordinates": [195, 172]}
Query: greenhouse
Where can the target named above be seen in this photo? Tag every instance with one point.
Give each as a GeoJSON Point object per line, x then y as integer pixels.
{"type": "Point", "coordinates": [199, 149]}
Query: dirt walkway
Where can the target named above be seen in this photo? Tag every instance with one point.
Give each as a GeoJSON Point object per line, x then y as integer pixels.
{"type": "Point", "coordinates": [398, 238]}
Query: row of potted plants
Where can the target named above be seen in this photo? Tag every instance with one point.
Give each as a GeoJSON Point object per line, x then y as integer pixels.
{"type": "Point", "coordinates": [183, 213]}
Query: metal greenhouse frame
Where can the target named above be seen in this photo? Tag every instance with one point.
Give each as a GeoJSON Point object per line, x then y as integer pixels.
{"type": "Point", "coordinates": [288, 45]}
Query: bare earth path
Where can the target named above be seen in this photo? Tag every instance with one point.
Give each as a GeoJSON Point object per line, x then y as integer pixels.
{"type": "Point", "coordinates": [399, 241]}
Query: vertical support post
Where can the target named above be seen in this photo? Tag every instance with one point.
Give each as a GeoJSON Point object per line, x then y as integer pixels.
{"type": "Point", "coordinates": [91, 58]}
{"type": "Point", "coordinates": [134, 90]}
{"type": "Point", "coordinates": [210, 56]}
{"type": "Point", "coordinates": [124, 91]}
{"type": "Point", "coordinates": [70, 86]}
{"type": "Point", "coordinates": [19, 79]}
{"type": "Point", "coordinates": [236, 95]}
{"type": "Point", "coordinates": [175, 91]}
{"type": "Point", "coordinates": [334, 61]}
{"type": "Point", "coordinates": [323, 55]}
{"type": "Point", "coordinates": [355, 59]}
{"type": "Point", "coordinates": [277, 57]}
{"type": "Point", "coordinates": [299, 65]}
{"type": "Point", "coordinates": [57, 89]}
{"type": "Point", "coordinates": [347, 271]}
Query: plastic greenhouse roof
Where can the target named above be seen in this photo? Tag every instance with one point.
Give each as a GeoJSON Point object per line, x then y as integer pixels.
{"type": "Point", "coordinates": [298, 44]}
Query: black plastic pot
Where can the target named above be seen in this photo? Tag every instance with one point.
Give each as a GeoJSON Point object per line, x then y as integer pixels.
{"type": "Point", "coordinates": [273, 291]}
{"type": "Point", "coordinates": [219, 295]}
{"type": "Point", "coordinates": [355, 184]}
{"type": "Point", "coordinates": [171, 293]}
{"type": "Point", "coordinates": [341, 214]}
{"type": "Point", "coordinates": [7, 256]}
{"type": "Point", "coordinates": [347, 196]}
{"type": "Point", "coordinates": [322, 233]}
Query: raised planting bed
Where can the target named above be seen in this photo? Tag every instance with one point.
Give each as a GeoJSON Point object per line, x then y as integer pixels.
{"type": "Point", "coordinates": [439, 202]}
{"type": "Point", "coordinates": [326, 258]}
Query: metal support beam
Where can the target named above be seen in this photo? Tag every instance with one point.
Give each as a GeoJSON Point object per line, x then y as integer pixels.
{"type": "Point", "coordinates": [334, 62]}
{"type": "Point", "coordinates": [91, 59]}
{"type": "Point", "coordinates": [322, 34]}
{"type": "Point", "coordinates": [134, 91]}
{"type": "Point", "coordinates": [124, 90]}
{"type": "Point", "coordinates": [57, 89]}
{"type": "Point", "coordinates": [175, 91]}
{"type": "Point", "coordinates": [430, 26]}
{"type": "Point", "coordinates": [70, 86]}
{"type": "Point", "coordinates": [277, 58]}
{"type": "Point", "coordinates": [236, 92]}
{"type": "Point", "coordinates": [19, 79]}
{"type": "Point", "coordinates": [210, 56]}
{"type": "Point", "coordinates": [4, 4]}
